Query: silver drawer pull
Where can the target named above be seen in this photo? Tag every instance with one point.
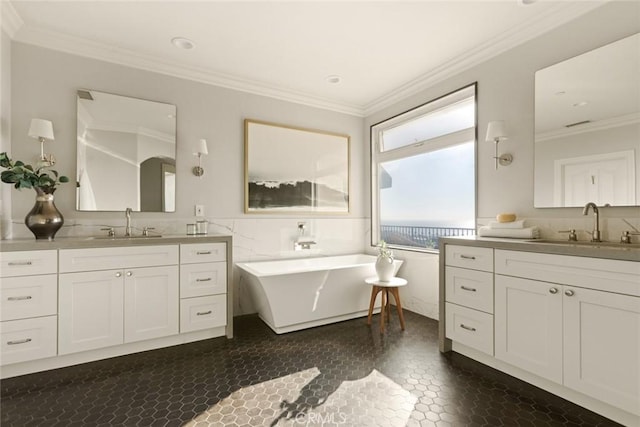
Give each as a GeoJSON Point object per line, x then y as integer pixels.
{"type": "Point", "coordinates": [569, 293]}
{"type": "Point", "coordinates": [208, 279]}
{"type": "Point", "coordinates": [22, 298]}
{"type": "Point", "coordinates": [203, 253]}
{"type": "Point", "coordinates": [21, 263]}
{"type": "Point", "coordinates": [203, 313]}
{"type": "Point", "coordinates": [24, 341]}
{"type": "Point", "coordinates": [464, 288]}
{"type": "Point", "coordinates": [467, 257]}
{"type": "Point", "coordinates": [553, 291]}
{"type": "Point", "coordinates": [468, 328]}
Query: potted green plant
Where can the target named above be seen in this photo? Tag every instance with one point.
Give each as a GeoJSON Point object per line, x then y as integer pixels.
{"type": "Point", "coordinates": [44, 220]}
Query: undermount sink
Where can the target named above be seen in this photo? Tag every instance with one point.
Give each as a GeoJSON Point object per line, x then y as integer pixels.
{"type": "Point", "coordinates": [122, 237]}
{"type": "Point", "coordinates": [617, 245]}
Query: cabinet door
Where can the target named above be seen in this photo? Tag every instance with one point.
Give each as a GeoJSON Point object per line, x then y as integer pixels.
{"type": "Point", "coordinates": [528, 325]}
{"type": "Point", "coordinates": [90, 310]}
{"type": "Point", "coordinates": [150, 303]}
{"type": "Point", "coordinates": [602, 346]}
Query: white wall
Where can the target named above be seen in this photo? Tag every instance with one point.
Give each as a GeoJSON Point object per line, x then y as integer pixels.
{"type": "Point", "coordinates": [505, 92]}
{"type": "Point", "coordinates": [44, 85]}
{"type": "Point", "coordinates": [5, 129]}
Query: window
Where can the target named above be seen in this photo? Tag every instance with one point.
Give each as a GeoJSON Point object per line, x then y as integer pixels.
{"type": "Point", "coordinates": [423, 173]}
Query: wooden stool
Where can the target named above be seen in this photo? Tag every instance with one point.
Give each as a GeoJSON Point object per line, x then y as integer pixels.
{"type": "Point", "coordinates": [385, 287]}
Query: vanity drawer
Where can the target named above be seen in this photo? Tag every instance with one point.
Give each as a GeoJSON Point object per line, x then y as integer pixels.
{"type": "Point", "coordinates": [201, 279]}
{"type": "Point", "coordinates": [596, 273]}
{"type": "Point", "coordinates": [203, 252]}
{"type": "Point", "coordinates": [31, 296]}
{"type": "Point", "coordinates": [470, 288]}
{"type": "Point", "coordinates": [28, 339]}
{"type": "Point", "coordinates": [203, 313]}
{"type": "Point", "coordinates": [73, 260]}
{"type": "Point", "coordinates": [26, 263]}
{"type": "Point", "coordinates": [470, 327]}
{"type": "Point", "coordinates": [469, 257]}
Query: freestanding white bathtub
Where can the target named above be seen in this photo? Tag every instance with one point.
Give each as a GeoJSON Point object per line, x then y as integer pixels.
{"type": "Point", "coordinates": [301, 293]}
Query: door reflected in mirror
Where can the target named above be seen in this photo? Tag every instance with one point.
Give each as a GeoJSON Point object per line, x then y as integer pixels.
{"type": "Point", "coordinates": [126, 152]}
{"type": "Point", "coordinates": [587, 128]}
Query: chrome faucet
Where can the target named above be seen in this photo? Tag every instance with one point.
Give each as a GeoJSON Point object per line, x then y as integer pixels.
{"type": "Point", "coordinates": [302, 242]}
{"type": "Point", "coordinates": [595, 234]}
{"type": "Point", "coordinates": [127, 214]}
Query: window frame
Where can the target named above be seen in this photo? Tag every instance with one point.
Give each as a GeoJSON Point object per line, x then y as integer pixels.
{"type": "Point", "coordinates": [420, 147]}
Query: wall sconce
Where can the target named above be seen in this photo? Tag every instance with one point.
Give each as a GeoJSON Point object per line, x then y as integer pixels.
{"type": "Point", "coordinates": [202, 149]}
{"type": "Point", "coordinates": [496, 132]}
{"type": "Point", "coordinates": [42, 130]}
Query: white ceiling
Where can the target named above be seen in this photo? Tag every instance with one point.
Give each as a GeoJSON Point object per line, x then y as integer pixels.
{"type": "Point", "coordinates": [382, 51]}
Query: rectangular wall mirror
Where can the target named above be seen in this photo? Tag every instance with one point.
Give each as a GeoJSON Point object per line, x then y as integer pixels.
{"type": "Point", "coordinates": [587, 128]}
{"type": "Point", "coordinates": [126, 153]}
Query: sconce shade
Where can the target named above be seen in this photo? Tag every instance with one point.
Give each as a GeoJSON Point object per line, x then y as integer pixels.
{"type": "Point", "coordinates": [496, 130]}
{"type": "Point", "coordinates": [40, 128]}
{"type": "Point", "coordinates": [202, 147]}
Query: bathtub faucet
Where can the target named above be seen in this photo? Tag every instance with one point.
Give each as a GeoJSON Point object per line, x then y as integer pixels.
{"type": "Point", "coordinates": [300, 245]}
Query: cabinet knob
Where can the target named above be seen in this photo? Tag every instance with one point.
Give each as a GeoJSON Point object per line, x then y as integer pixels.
{"type": "Point", "coordinates": [553, 291]}
{"type": "Point", "coordinates": [118, 274]}
{"type": "Point", "coordinates": [129, 273]}
{"type": "Point", "coordinates": [569, 293]}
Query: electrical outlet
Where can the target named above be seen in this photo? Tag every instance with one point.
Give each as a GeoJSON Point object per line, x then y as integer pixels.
{"type": "Point", "coordinates": [199, 210]}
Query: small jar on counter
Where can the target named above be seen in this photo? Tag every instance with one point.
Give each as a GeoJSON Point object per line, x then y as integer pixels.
{"type": "Point", "coordinates": [202, 227]}
{"type": "Point", "coordinates": [191, 229]}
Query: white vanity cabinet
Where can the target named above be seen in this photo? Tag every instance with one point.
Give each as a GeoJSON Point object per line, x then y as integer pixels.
{"type": "Point", "coordinates": [562, 320]}
{"type": "Point", "coordinates": [203, 286]}
{"type": "Point", "coordinates": [469, 296]}
{"type": "Point", "coordinates": [28, 305]}
{"type": "Point", "coordinates": [110, 306]}
{"type": "Point", "coordinates": [567, 321]}
{"type": "Point", "coordinates": [72, 301]}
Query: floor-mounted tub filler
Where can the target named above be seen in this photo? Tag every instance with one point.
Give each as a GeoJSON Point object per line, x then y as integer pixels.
{"type": "Point", "coordinates": [301, 293]}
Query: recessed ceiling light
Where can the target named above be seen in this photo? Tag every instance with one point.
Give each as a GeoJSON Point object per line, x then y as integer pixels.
{"type": "Point", "coordinates": [580, 104]}
{"type": "Point", "coordinates": [183, 43]}
{"type": "Point", "coordinates": [560, 93]}
{"type": "Point", "coordinates": [334, 79]}
{"type": "Point", "coordinates": [527, 2]}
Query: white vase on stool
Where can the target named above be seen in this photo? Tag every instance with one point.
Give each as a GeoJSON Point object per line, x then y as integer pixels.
{"type": "Point", "coordinates": [384, 263]}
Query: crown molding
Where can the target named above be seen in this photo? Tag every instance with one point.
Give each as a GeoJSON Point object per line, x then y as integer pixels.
{"type": "Point", "coordinates": [103, 52]}
{"type": "Point", "coordinates": [11, 21]}
{"type": "Point", "coordinates": [614, 122]}
{"type": "Point", "coordinates": [555, 16]}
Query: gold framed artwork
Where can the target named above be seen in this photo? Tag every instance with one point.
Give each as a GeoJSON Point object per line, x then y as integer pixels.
{"type": "Point", "coordinates": [292, 170]}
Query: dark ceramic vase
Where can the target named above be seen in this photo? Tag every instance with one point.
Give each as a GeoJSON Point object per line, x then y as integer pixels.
{"type": "Point", "coordinates": [45, 219]}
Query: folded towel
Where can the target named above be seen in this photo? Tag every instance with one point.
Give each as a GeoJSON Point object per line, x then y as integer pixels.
{"type": "Point", "coordinates": [515, 233]}
{"type": "Point", "coordinates": [512, 224]}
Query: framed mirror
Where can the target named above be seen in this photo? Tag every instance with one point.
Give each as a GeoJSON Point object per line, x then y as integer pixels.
{"type": "Point", "coordinates": [587, 128]}
{"type": "Point", "coordinates": [126, 151]}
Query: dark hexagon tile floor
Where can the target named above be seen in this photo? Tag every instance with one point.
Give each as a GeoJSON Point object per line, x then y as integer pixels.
{"type": "Point", "coordinates": [342, 374]}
